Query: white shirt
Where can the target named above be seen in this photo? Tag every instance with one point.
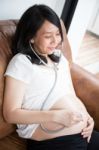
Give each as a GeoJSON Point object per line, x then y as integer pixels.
{"type": "Point", "coordinates": [39, 80]}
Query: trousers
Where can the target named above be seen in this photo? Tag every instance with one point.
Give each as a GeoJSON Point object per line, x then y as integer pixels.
{"type": "Point", "coordinates": [68, 142]}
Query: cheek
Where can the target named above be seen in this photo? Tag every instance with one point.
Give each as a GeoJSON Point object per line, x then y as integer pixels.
{"type": "Point", "coordinates": [45, 42]}
{"type": "Point", "coordinates": [42, 43]}
{"type": "Point", "coordinates": [59, 40]}
{"type": "Point", "coordinates": [39, 42]}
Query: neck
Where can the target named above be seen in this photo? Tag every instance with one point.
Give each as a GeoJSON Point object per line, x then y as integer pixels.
{"type": "Point", "coordinates": [39, 53]}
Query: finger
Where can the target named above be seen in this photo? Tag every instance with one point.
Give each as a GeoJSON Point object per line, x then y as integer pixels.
{"type": "Point", "coordinates": [88, 139]}
{"type": "Point", "coordinates": [86, 134]}
{"type": "Point", "coordinates": [88, 128]}
{"type": "Point", "coordinates": [90, 121]}
{"type": "Point", "coordinates": [88, 131]}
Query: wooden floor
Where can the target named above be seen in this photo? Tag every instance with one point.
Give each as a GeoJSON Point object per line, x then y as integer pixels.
{"type": "Point", "coordinates": [88, 56]}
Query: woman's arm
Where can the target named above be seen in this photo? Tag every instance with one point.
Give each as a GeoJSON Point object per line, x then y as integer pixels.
{"type": "Point", "coordinates": [13, 113]}
{"type": "Point", "coordinates": [66, 49]}
{"type": "Point", "coordinates": [13, 96]}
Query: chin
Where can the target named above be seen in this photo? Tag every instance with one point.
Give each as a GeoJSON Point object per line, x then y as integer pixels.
{"type": "Point", "coordinates": [50, 53]}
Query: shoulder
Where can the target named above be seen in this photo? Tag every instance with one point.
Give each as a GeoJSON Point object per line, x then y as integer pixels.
{"type": "Point", "coordinates": [21, 59]}
{"type": "Point", "coordinates": [20, 68]}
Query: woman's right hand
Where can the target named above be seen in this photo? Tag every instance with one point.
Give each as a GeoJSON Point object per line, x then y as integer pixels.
{"type": "Point", "coordinates": [65, 118]}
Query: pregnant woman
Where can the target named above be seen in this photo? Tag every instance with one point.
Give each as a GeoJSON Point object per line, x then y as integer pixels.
{"type": "Point", "coordinates": [39, 95]}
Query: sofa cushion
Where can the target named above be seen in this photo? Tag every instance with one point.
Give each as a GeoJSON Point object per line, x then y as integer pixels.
{"type": "Point", "coordinates": [7, 29]}
{"type": "Point", "coordinates": [86, 86]}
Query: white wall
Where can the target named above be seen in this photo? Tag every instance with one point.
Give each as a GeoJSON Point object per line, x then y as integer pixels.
{"type": "Point", "coordinates": [93, 25]}
{"type": "Point", "coordinates": [79, 24]}
{"type": "Point", "coordinates": [13, 9]}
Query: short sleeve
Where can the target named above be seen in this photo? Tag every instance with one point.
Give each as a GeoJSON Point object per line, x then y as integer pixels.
{"type": "Point", "coordinates": [20, 68]}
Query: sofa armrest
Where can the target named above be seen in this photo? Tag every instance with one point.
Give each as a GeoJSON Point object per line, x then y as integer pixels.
{"type": "Point", "coordinates": [6, 129]}
{"type": "Point", "coordinates": [86, 86]}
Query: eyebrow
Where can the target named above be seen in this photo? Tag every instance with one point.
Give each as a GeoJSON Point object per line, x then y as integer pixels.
{"type": "Point", "coordinates": [49, 32]}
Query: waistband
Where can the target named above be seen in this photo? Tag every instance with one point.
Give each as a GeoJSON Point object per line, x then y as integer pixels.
{"type": "Point", "coordinates": [57, 139]}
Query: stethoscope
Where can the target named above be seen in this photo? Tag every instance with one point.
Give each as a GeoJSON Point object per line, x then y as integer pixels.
{"type": "Point", "coordinates": [53, 86]}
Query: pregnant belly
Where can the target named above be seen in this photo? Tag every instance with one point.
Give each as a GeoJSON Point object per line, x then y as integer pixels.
{"type": "Point", "coordinates": [77, 128]}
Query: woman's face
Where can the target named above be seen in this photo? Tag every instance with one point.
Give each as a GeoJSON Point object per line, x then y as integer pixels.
{"type": "Point", "coordinates": [47, 38]}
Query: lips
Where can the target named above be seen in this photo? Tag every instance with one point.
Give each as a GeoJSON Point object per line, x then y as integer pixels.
{"type": "Point", "coordinates": [51, 48]}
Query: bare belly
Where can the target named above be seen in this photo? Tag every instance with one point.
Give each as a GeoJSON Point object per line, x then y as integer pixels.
{"type": "Point", "coordinates": [73, 104]}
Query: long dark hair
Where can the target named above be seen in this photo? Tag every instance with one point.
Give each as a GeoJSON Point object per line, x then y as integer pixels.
{"type": "Point", "coordinates": [27, 27]}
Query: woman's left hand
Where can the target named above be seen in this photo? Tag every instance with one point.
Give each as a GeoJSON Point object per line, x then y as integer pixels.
{"type": "Point", "coordinates": [87, 131]}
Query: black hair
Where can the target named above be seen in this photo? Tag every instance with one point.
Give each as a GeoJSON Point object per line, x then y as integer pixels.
{"type": "Point", "coordinates": [28, 25]}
